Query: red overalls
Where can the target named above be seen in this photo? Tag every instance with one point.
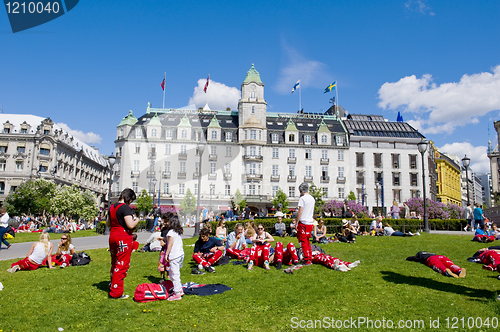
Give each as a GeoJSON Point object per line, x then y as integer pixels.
{"type": "Point", "coordinates": [120, 247]}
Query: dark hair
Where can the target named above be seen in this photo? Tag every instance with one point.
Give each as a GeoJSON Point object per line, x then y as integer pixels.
{"type": "Point", "coordinates": [127, 195]}
{"type": "Point", "coordinates": [175, 225]}
{"type": "Point", "coordinates": [205, 232]}
{"type": "Point", "coordinates": [134, 236]}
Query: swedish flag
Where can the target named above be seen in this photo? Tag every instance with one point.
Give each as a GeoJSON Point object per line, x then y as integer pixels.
{"type": "Point", "coordinates": [331, 87]}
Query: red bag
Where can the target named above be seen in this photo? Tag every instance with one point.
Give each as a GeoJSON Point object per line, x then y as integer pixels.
{"type": "Point", "coordinates": [153, 292]}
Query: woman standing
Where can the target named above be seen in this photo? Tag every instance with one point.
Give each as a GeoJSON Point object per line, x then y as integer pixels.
{"type": "Point", "coordinates": [395, 210]}
{"type": "Point", "coordinates": [121, 221]}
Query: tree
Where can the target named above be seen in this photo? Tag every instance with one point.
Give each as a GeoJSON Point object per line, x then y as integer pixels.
{"type": "Point", "coordinates": [32, 197]}
{"type": "Point", "coordinates": [351, 196]}
{"type": "Point", "coordinates": [282, 199]}
{"type": "Point", "coordinates": [144, 202]}
{"type": "Point", "coordinates": [88, 209]}
{"type": "Point", "coordinates": [317, 193]}
{"type": "Point", "coordinates": [71, 202]}
{"type": "Point", "coordinates": [188, 204]}
{"type": "Point", "coordinates": [237, 197]}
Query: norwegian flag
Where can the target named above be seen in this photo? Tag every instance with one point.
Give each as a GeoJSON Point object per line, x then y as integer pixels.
{"type": "Point", "coordinates": [206, 84]}
{"type": "Point", "coordinates": [163, 84]}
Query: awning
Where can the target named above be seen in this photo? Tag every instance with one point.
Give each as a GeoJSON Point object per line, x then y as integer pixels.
{"type": "Point", "coordinates": [15, 182]}
{"type": "Point", "coordinates": [4, 143]}
{"type": "Point", "coordinates": [223, 208]}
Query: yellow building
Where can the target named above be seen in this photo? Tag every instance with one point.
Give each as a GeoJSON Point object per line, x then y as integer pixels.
{"type": "Point", "coordinates": [448, 179]}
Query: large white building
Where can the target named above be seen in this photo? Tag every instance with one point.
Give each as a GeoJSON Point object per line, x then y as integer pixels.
{"type": "Point", "coordinates": [35, 147]}
{"type": "Point", "coordinates": [257, 152]}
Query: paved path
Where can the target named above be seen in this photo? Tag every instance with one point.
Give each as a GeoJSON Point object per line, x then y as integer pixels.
{"type": "Point", "coordinates": [19, 250]}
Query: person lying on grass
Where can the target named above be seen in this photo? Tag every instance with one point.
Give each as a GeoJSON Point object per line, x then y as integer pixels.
{"type": "Point", "coordinates": [207, 251]}
{"type": "Point", "coordinates": [39, 252]}
{"type": "Point", "coordinates": [389, 231]}
{"type": "Point", "coordinates": [438, 263]}
{"type": "Point", "coordinates": [489, 257]}
{"type": "Point", "coordinates": [285, 256]}
{"type": "Point", "coordinates": [259, 253]}
{"type": "Point", "coordinates": [320, 257]}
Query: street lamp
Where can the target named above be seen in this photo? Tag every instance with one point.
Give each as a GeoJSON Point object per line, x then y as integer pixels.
{"type": "Point", "coordinates": [212, 190]}
{"type": "Point", "coordinates": [201, 148]}
{"type": "Point", "coordinates": [422, 147]}
{"type": "Point", "coordinates": [466, 162]}
{"type": "Point", "coordinates": [111, 161]}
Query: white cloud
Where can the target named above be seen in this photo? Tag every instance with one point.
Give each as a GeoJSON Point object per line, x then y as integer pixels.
{"type": "Point", "coordinates": [446, 106]}
{"type": "Point", "coordinates": [89, 138]}
{"type": "Point", "coordinates": [419, 6]}
{"type": "Point", "coordinates": [479, 161]}
{"type": "Point", "coordinates": [311, 73]}
{"type": "Point", "coordinates": [219, 96]}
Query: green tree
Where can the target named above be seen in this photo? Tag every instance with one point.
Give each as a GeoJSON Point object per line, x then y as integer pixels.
{"type": "Point", "coordinates": [144, 202]}
{"type": "Point", "coordinates": [238, 197]}
{"type": "Point", "coordinates": [351, 196]}
{"type": "Point", "coordinates": [88, 209]}
{"type": "Point", "coordinates": [71, 202]}
{"type": "Point", "coordinates": [283, 199]}
{"type": "Point", "coordinates": [317, 193]}
{"type": "Point", "coordinates": [188, 204]}
{"type": "Point", "coordinates": [32, 197]}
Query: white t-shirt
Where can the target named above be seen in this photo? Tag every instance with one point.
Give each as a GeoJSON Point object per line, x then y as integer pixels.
{"type": "Point", "coordinates": [177, 249]}
{"type": "Point", "coordinates": [306, 201]}
{"type": "Point", "coordinates": [4, 221]}
{"type": "Point", "coordinates": [68, 252]}
{"type": "Point", "coordinates": [39, 253]}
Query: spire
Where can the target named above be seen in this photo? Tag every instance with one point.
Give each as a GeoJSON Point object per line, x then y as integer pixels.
{"type": "Point", "coordinates": [252, 75]}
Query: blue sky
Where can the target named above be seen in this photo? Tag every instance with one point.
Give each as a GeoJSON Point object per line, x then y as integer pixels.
{"type": "Point", "coordinates": [435, 61]}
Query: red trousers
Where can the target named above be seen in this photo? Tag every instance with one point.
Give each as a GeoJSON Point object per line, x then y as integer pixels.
{"type": "Point", "coordinates": [490, 259]}
{"type": "Point", "coordinates": [303, 235]}
{"type": "Point", "coordinates": [484, 238]}
{"type": "Point", "coordinates": [59, 260]}
{"type": "Point", "coordinates": [285, 257]}
{"type": "Point", "coordinates": [238, 253]}
{"type": "Point", "coordinates": [259, 253]}
{"type": "Point", "coordinates": [26, 264]}
{"type": "Point", "coordinates": [120, 247]}
{"type": "Point", "coordinates": [207, 259]}
{"type": "Point", "coordinates": [327, 260]}
{"type": "Point", "coordinates": [440, 263]}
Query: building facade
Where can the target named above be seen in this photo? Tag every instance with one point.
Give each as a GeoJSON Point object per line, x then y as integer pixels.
{"type": "Point", "coordinates": [34, 147]}
{"type": "Point", "coordinates": [448, 179]}
{"type": "Point", "coordinates": [486, 189]}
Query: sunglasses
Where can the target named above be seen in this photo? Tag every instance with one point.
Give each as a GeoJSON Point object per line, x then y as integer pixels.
{"type": "Point", "coordinates": [64, 238]}
{"type": "Point", "coordinates": [260, 228]}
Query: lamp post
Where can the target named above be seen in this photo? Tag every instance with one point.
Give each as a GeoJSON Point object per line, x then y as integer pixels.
{"type": "Point", "coordinates": [466, 162]}
{"type": "Point", "coordinates": [201, 148]}
{"type": "Point", "coordinates": [422, 147]}
{"type": "Point", "coordinates": [212, 187]}
{"type": "Point", "coordinates": [111, 161]}
{"type": "Point", "coordinates": [376, 193]}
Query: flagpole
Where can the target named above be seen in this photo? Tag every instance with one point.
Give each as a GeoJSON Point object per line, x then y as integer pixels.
{"type": "Point", "coordinates": [300, 97]}
{"type": "Point", "coordinates": [336, 97]}
{"type": "Point", "coordinates": [164, 84]}
{"type": "Point", "coordinates": [208, 81]}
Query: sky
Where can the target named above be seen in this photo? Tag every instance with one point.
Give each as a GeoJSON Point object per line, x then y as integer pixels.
{"type": "Point", "coordinates": [436, 62]}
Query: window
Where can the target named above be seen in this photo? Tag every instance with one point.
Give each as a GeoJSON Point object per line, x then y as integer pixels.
{"type": "Point", "coordinates": [42, 168]}
{"type": "Point", "coordinates": [252, 151]}
{"type": "Point", "coordinates": [212, 168]}
{"type": "Point", "coordinates": [276, 153]}
{"type": "Point", "coordinates": [252, 168]}
{"type": "Point", "coordinates": [168, 133]}
{"type": "Point", "coordinates": [340, 140]}
{"type": "Point", "coordinates": [152, 148]}
{"type": "Point", "coordinates": [46, 132]}
{"type": "Point", "coordinates": [395, 179]}
{"type": "Point", "coordinates": [308, 154]}
{"type": "Point", "coordinates": [360, 177]}
{"type": "Point", "coordinates": [182, 188]}
{"type": "Point", "coordinates": [19, 166]}
{"type": "Point", "coordinates": [325, 191]}
{"type": "Point", "coordinates": [341, 193]}
{"type": "Point", "coordinates": [136, 165]}
{"type": "Point", "coordinates": [212, 189]}
{"type": "Point", "coordinates": [341, 172]}
{"type": "Point", "coordinates": [275, 138]}
{"type": "Point", "coordinates": [307, 139]}
{"type": "Point", "coordinates": [44, 152]}
{"type": "Point", "coordinates": [21, 149]}
{"type": "Point", "coordinates": [309, 171]}
{"type": "Point", "coordinates": [183, 149]}
{"type": "Point", "coordinates": [324, 138]}
{"type": "Point", "coordinates": [291, 170]}
{"type": "Point", "coordinates": [229, 137]}
{"type": "Point", "coordinates": [413, 161]}
{"type": "Point", "coordinates": [251, 189]}
{"type": "Point", "coordinates": [414, 179]}
{"type": "Point", "coordinates": [135, 186]}
{"type": "Point", "coordinates": [153, 132]}
{"type": "Point", "coordinates": [138, 133]}
{"type": "Point", "coordinates": [7, 130]}
{"type": "Point", "coordinates": [228, 151]}
{"type": "Point", "coordinates": [3, 148]}
{"type": "Point", "coordinates": [274, 191]}
{"type": "Point", "coordinates": [341, 155]}
{"type": "Point", "coordinates": [275, 170]}
{"type": "Point", "coordinates": [291, 138]}
{"type": "Point", "coordinates": [252, 95]}
{"type": "Point", "coordinates": [227, 168]}
{"type": "Point", "coordinates": [166, 189]}
{"type": "Point", "coordinates": [213, 150]}
{"type": "Point", "coordinates": [214, 134]}
{"type": "Point", "coordinates": [378, 177]}
{"type": "Point", "coordinates": [397, 195]}
{"type": "Point", "coordinates": [291, 153]}
{"type": "Point", "coordinates": [167, 166]}
{"type": "Point", "coordinates": [246, 134]}
{"type": "Point", "coordinates": [2, 188]}
{"type": "Point", "coordinates": [137, 147]}
{"type": "Point", "coordinates": [324, 172]}
{"type": "Point", "coordinates": [291, 191]}
{"type": "Point", "coordinates": [227, 190]}
{"type": "Point", "coordinates": [359, 159]}
{"type": "Point", "coordinates": [168, 149]}
{"type": "Point", "coordinates": [324, 154]}
{"type": "Point", "coordinates": [184, 133]}
{"type": "Point", "coordinates": [197, 167]}
{"type": "Point", "coordinates": [377, 160]}
{"type": "Point", "coordinates": [260, 135]}
{"type": "Point", "coordinates": [253, 134]}
{"type": "Point", "coordinates": [25, 131]}
{"type": "Point", "coordinates": [395, 161]}
{"type": "Point", "coordinates": [182, 167]}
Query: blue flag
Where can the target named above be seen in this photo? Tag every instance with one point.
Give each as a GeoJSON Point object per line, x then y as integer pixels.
{"type": "Point", "coordinates": [331, 87]}
{"type": "Point", "coordinates": [296, 86]}
{"type": "Point", "coordinates": [332, 101]}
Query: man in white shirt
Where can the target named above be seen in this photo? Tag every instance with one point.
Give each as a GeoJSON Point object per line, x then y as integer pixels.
{"type": "Point", "coordinates": [4, 224]}
{"type": "Point", "coordinates": [305, 221]}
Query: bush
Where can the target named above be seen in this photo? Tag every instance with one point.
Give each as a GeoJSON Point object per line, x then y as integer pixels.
{"type": "Point", "coordinates": [435, 210]}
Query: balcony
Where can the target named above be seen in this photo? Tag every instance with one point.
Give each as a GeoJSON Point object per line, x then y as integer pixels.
{"type": "Point", "coordinates": [212, 157]}
{"type": "Point", "coordinates": [324, 161]}
{"type": "Point", "coordinates": [292, 178]}
{"type": "Point", "coordinates": [292, 160]}
{"type": "Point", "coordinates": [181, 175]}
{"type": "Point", "coordinates": [135, 174]}
{"type": "Point", "coordinates": [325, 179]}
{"type": "Point", "coordinates": [151, 155]}
{"type": "Point", "coordinates": [252, 158]}
{"type": "Point", "coordinates": [308, 178]}
{"type": "Point", "coordinates": [228, 176]}
{"type": "Point", "coordinates": [212, 176]}
{"type": "Point", "coordinates": [20, 155]}
{"type": "Point", "coordinates": [150, 174]}
{"type": "Point", "coordinates": [341, 179]}
{"type": "Point", "coordinates": [253, 177]}
{"type": "Point", "coordinates": [196, 175]}
{"type": "Point", "coordinates": [275, 177]}
{"type": "Point", "coordinates": [166, 175]}
{"type": "Point", "coordinates": [183, 156]}
{"type": "Point", "coordinates": [378, 165]}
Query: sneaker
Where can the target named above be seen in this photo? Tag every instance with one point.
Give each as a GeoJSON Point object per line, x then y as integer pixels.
{"type": "Point", "coordinates": [123, 297]}
{"type": "Point", "coordinates": [13, 269]}
{"type": "Point", "coordinates": [451, 274]}
{"type": "Point", "coordinates": [343, 268]}
{"type": "Point", "coordinates": [201, 267]}
{"type": "Point", "coordinates": [354, 264]}
{"type": "Point", "coordinates": [250, 265]}
{"type": "Point", "coordinates": [210, 269]}
{"type": "Point", "coordinates": [195, 271]}
{"type": "Point", "coordinates": [465, 229]}
{"type": "Point", "coordinates": [289, 270]}
{"type": "Point", "coordinates": [8, 246]}
{"type": "Point", "coordinates": [278, 266]}
{"type": "Point", "coordinates": [462, 273]}
{"type": "Point", "coordinates": [411, 234]}
{"type": "Point", "coordinates": [175, 297]}
{"type": "Point", "coordinates": [63, 265]}
{"type": "Point", "coordinates": [417, 233]}
{"type": "Point", "coordinates": [266, 265]}
{"type": "Point", "coordinates": [336, 264]}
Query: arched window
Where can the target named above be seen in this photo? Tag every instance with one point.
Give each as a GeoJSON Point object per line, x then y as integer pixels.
{"type": "Point", "coordinates": [291, 138]}
{"type": "Point", "coordinates": [214, 134]}
{"type": "Point", "coordinates": [184, 133]}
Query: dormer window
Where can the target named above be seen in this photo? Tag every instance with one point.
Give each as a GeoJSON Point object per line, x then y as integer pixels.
{"type": "Point", "coordinates": [291, 138]}
{"type": "Point", "coordinates": [46, 132]}
{"type": "Point", "coordinates": [229, 137]}
{"type": "Point", "coordinates": [184, 133]}
{"type": "Point", "coordinates": [340, 140]}
{"type": "Point", "coordinates": [307, 139]}
{"type": "Point", "coordinates": [324, 139]}
{"type": "Point", "coordinates": [138, 133]}
{"type": "Point", "coordinates": [168, 133]}
{"type": "Point", "coordinates": [275, 138]}
{"type": "Point", "coordinates": [24, 130]}
{"type": "Point", "coordinates": [214, 134]}
{"type": "Point", "coordinates": [153, 132]}
{"type": "Point", "coordinates": [6, 130]}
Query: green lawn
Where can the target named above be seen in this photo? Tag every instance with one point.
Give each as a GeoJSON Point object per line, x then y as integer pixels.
{"type": "Point", "coordinates": [33, 237]}
{"type": "Point", "coordinates": [385, 286]}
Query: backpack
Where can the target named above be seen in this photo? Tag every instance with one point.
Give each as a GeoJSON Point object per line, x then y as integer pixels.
{"type": "Point", "coordinates": [153, 292]}
{"type": "Point", "coordinates": [80, 258]}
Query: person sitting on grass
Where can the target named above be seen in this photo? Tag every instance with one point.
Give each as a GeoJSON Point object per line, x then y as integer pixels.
{"type": "Point", "coordinates": [280, 227]}
{"type": "Point", "coordinates": [250, 230]}
{"type": "Point", "coordinates": [438, 263]}
{"type": "Point", "coordinates": [389, 231]}
{"type": "Point", "coordinates": [221, 231]}
{"type": "Point", "coordinates": [482, 235]}
{"type": "Point", "coordinates": [135, 244]}
{"type": "Point", "coordinates": [293, 225]}
{"type": "Point", "coordinates": [495, 232]}
{"type": "Point", "coordinates": [39, 252]}
{"type": "Point", "coordinates": [354, 224]}
{"type": "Point", "coordinates": [236, 246]}
{"type": "Point", "coordinates": [346, 235]}
{"type": "Point", "coordinates": [153, 242]}
{"type": "Point", "coordinates": [285, 256]}
{"type": "Point", "coordinates": [259, 253]}
{"type": "Point", "coordinates": [207, 251]}
{"type": "Point", "coordinates": [319, 233]}
{"type": "Point", "coordinates": [64, 253]}
{"type": "Point", "coordinates": [376, 227]}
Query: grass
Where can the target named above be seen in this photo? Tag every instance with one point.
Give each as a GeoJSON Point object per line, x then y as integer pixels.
{"type": "Point", "coordinates": [33, 237]}
{"type": "Point", "coordinates": [385, 285]}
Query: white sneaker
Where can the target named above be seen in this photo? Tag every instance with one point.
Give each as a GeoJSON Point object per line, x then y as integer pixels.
{"type": "Point", "coordinates": [336, 264]}
{"type": "Point", "coordinates": [417, 233]}
{"type": "Point", "coordinates": [411, 234]}
{"type": "Point", "coordinates": [13, 269]}
{"type": "Point", "coordinates": [200, 267]}
{"type": "Point", "coordinates": [343, 268]}
{"type": "Point", "coordinates": [353, 264]}
{"type": "Point", "coordinates": [465, 229]}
